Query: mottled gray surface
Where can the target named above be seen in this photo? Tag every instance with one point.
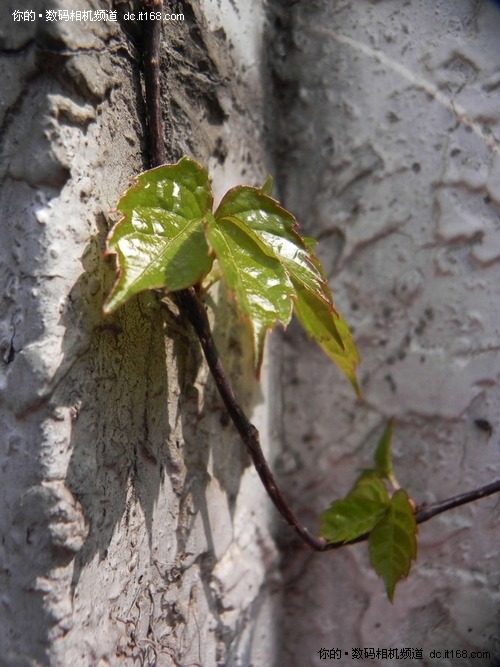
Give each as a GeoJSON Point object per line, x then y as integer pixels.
{"type": "Point", "coordinates": [133, 531]}
{"type": "Point", "coordinates": [388, 148]}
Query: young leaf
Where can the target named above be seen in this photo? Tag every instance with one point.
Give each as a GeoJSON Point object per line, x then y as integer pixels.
{"type": "Point", "coordinates": [324, 324]}
{"type": "Point", "coordinates": [357, 513]}
{"type": "Point", "coordinates": [267, 186]}
{"type": "Point", "coordinates": [274, 229]}
{"type": "Point", "coordinates": [329, 329]}
{"type": "Point", "coordinates": [383, 455]}
{"type": "Point", "coordinates": [160, 239]}
{"type": "Point", "coordinates": [259, 281]}
{"type": "Point", "coordinates": [168, 238]}
{"type": "Point", "coordinates": [393, 543]}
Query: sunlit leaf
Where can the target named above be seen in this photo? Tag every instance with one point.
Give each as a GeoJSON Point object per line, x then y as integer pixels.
{"type": "Point", "coordinates": [393, 544]}
{"type": "Point", "coordinates": [357, 513]}
{"type": "Point", "coordinates": [277, 230]}
{"type": "Point", "coordinates": [258, 280]}
{"type": "Point", "coordinates": [160, 239]}
{"type": "Point", "coordinates": [325, 326]}
{"type": "Point", "coordinates": [168, 238]}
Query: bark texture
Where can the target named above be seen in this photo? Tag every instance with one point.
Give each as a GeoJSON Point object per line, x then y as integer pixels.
{"type": "Point", "coordinates": [388, 149]}
{"type": "Point", "coordinates": [132, 530]}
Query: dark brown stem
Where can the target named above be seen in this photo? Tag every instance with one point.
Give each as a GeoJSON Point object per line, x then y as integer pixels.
{"type": "Point", "coordinates": [426, 512]}
{"type": "Point", "coordinates": [152, 84]}
{"type": "Point", "coordinates": [192, 307]}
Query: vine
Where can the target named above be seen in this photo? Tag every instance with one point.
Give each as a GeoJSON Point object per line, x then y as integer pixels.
{"type": "Point", "coordinates": [169, 238]}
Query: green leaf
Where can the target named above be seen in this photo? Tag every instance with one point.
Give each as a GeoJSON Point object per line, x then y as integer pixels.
{"type": "Point", "coordinates": [274, 225]}
{"type": "Point", "coordinates": [258, 280]}
{"type": "Point", "coordinates": [357, 513]}
{"type": "Point", "coordinates": [329, 329]}
{"type": "Point", "coordinates": [160, 239]}
{"type": "Point", "coordinates": [275, 230]}
{"type": "Point", "coordinates": [268, 185]}
{"type": "Point", "coordinates": [383, 455]}
{"type": "Point", "coordinates": [317, 314]}
{"type": "Point", "coordinates": [393, 544]}
{"type": "Point", "coordinates": [168, 238]}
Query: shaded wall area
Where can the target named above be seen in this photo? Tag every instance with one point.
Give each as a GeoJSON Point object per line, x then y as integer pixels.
{"type": "Point", "coordinates": [386, 131]}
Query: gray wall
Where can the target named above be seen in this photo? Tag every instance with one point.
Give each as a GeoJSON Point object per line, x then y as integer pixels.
{"type": "Point", "coordinates": [388, 147]}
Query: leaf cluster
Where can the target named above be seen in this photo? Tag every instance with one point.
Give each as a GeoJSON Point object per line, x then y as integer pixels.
{"type": "Point", "coordinates": [170, 238]}
{"type": "Point", "coordinates": [389, 520]}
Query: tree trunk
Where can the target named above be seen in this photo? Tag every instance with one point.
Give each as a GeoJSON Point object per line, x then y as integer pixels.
{"type": "Point", "coordinates": [133, 530]}
{"type": "Point", "coordinates": [388, 150]}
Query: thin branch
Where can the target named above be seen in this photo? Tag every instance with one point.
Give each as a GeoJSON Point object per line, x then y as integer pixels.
{"type": "Point", "coordinates": [194, 310]}
{"type": "Point", "coordinates": [426, 512]}
{"type": "Point", "coordinates": [190, 305]}
{"type": "Point", "coordinates": [152, 84]}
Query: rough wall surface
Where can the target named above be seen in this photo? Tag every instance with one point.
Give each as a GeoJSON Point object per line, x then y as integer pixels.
{"type": "Point", "coordinates": [388, 134]}
{"type": "Point", "coordinates": [132, 530]}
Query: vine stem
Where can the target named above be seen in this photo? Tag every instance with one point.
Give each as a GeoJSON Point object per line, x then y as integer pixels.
{"type": "Point", "coordinates": [191, 306]}
{"type": "Point", "coordinates": [152, 84]}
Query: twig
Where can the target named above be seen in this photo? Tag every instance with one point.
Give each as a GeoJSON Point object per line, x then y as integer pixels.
{"type": "Point", "coordinates": [152, 85]}
{"type": "Point", "coordinates": [192, 307]}
{"type": "Point", "coordinates": [426, 512]}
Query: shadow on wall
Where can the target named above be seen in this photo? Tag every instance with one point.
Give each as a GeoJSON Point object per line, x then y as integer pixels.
{"type": "Point", "coordinates": [117, 392]}
{"type": "Point", "coordinates": [144, 425]}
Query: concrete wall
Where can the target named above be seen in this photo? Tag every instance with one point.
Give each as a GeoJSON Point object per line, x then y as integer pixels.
{"type": "Point", "coordinates": [132, 529]}
{"type": "Point", "coordinates": [387, 141]}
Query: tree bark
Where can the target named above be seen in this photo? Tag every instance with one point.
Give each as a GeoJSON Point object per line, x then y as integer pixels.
{"type": "Point", "coordinates": [133, 530]}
